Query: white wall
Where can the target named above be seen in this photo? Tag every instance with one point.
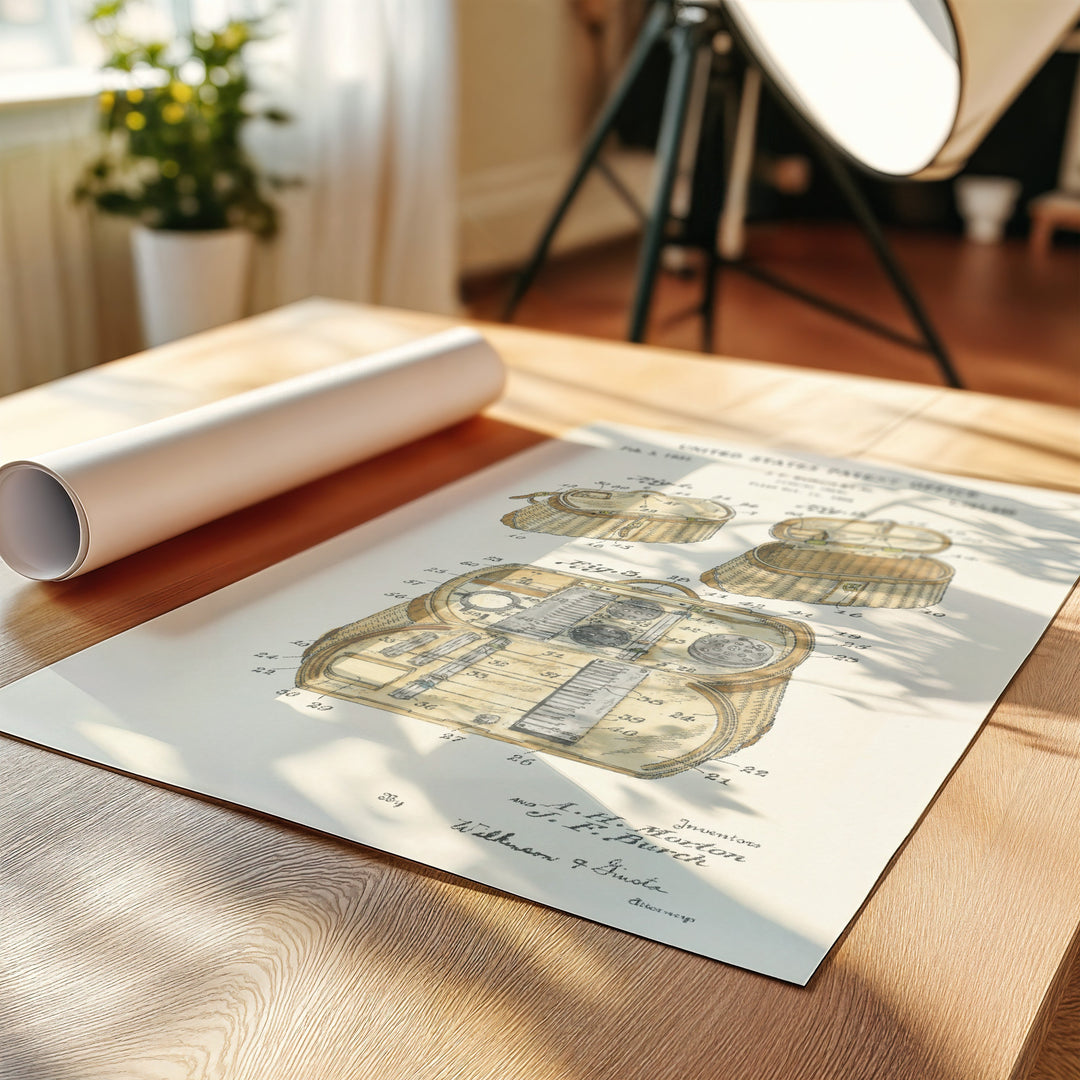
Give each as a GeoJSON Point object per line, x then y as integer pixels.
{"type": "Point", "coordinates": [526, 94]}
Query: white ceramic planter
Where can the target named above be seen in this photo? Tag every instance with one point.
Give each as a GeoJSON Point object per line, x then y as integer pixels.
{"type": "Point", "coordinates": [189, 281]}
{"type": "Point", "coordinates": [986, 203]}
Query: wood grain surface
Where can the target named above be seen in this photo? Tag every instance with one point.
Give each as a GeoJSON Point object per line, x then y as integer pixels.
{"type": "Point", "coordinates": [150, 934]}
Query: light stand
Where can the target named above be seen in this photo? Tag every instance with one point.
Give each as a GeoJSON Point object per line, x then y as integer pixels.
{"type": "Point", "coordinates": [690, 26]}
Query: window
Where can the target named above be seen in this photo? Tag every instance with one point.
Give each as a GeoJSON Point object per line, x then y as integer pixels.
{"type": "Point", "coordinates": [36, 34]}
{"type": "Point", "coordinates": [47, 50]}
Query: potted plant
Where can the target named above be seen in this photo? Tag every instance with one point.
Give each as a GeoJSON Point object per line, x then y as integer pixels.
{"type": "Point", "coordinates": [172, 158]}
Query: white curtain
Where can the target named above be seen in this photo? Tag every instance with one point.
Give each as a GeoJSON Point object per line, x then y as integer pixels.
{"type": "Point", "coordinates": [372, 89]}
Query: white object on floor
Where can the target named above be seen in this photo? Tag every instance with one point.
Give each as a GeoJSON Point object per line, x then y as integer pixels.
{"type": "Point", "coordinates": [986, 203]}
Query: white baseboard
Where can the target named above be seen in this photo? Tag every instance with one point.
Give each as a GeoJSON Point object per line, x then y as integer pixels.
{"type": "Point", "coordinates": [503, 209]}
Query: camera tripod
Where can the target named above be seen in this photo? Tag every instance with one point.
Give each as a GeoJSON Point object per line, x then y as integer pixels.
{"type": "Point", "coordinates": [690, 27]}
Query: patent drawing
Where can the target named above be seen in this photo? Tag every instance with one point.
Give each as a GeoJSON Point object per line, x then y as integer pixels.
{"type": "Point", "coordinates": [614, 674]}
{"type": "Point", "coordinates": [650, 517]}
{"type": "Point", "coordinates": [842, 561]}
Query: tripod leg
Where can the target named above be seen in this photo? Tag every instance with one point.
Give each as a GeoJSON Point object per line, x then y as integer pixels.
{"type": "Point", "coordinates": [683, 192]}
{"type": "Point", "coordinates": [652, 31]}
{"type": "Point", "coordinates": [731, 233]}
{"type": "Point", "coordinates": [685, 40]}
{"type": "Point", "coordinates": [739, 129]}
{"type": "Point", "coordinates": [709, 301]}
{"type": "Point", "coordinates": [869, 223]}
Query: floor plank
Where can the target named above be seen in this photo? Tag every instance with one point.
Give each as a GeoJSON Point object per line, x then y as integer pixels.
{"type": "Point", "coordinates": [1010, 319]}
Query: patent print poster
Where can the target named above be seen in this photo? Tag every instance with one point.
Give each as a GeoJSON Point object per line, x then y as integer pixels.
{"type": "Point", "coordinates": [700, 693]}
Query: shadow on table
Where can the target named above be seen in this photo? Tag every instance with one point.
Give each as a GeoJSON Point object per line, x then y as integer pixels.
{"type": "Point", "coordinates": [148, 933]}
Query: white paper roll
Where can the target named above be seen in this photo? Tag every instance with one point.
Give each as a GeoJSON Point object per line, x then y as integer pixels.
{"type": "Point", "coordinates": [69, 511]}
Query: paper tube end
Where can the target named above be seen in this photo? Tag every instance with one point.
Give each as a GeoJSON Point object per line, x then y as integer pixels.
{"type": "Point", "coordinates": [41, 529]}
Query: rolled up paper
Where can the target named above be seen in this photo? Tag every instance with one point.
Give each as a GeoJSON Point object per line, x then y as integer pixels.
{"type": "Point", "coordinates": [69, 511]}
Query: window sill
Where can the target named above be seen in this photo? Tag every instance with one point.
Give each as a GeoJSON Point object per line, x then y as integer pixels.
{"type": "Point", "coordinates": [53, 86]}
{"type": "Point", "coordinates": [47, 87]}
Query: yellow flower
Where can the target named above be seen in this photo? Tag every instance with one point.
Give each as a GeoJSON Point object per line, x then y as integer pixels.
{"type": "Point", "coordinates": [172, 113]}
{"type": "Point", "coordinates": [135, 121]}
{"type": "Point", "coordinates": [106, 100]}
{"type": "Point", "coordinates": [233, 36]}
{"type": "Point", "coordinates": [135, 96]}
{"type": "Point", "coordinates": [170, 168]}
{"type": "Point", "coordinates": [180, 91]}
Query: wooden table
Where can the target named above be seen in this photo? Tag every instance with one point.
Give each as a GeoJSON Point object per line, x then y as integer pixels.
{"type": "Point", "coordinates": [149, 934]}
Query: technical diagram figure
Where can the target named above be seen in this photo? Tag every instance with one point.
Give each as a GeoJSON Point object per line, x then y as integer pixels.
{"type": "Point", "coordinates": [844, 561]}
{"type": "Point", "coordinates": [650, 517]}
{"type": "Point", "coordinates": [614, 674]}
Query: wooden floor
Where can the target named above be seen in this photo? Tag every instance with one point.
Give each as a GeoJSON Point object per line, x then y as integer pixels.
{"type": "Point", "coordinates": [1010, 320]}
